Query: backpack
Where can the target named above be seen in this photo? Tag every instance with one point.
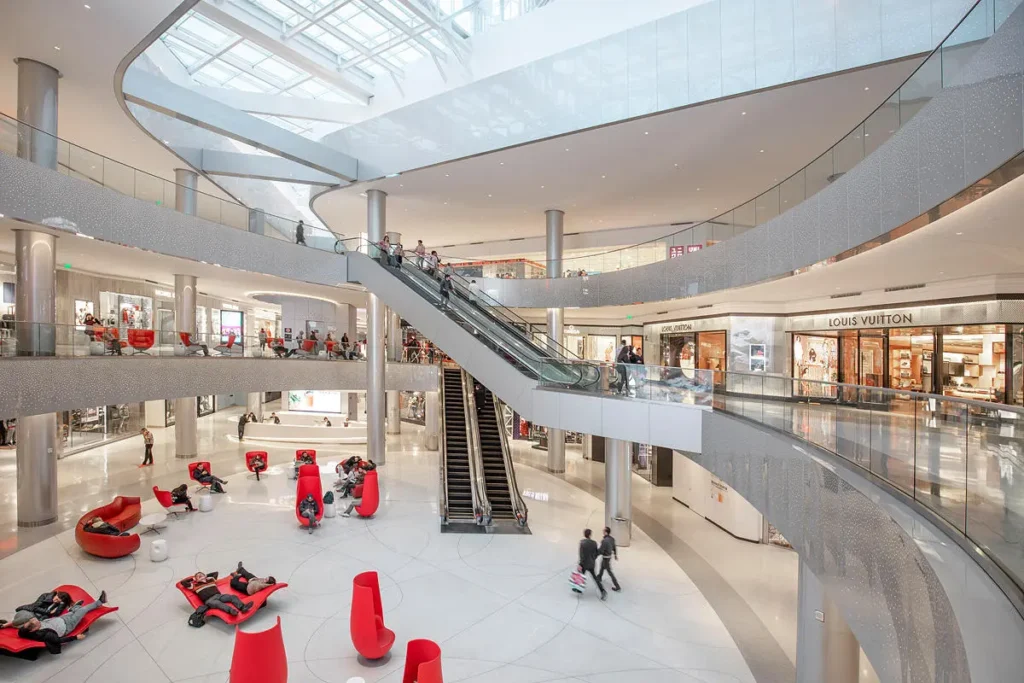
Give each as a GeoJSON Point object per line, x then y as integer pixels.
{"type": "Point", "coordinates": [198, 618]}
{"type": "Point", "coordinates": [329, 498]}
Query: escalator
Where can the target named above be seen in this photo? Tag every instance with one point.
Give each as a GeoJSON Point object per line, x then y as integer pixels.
{"type": "Point", "coordinates": [506, 504]}
{"type": "Point", "coordinates": [457, 479]}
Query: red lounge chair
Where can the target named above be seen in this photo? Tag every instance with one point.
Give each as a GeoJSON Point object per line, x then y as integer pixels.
{"type": "Point", "coordinates": [11, 644]}
{"type": "Point", "coordinates": [124, 513]}
{"type": "Point", "coordinates": [224, 586]}
{"type": "Point", "coordinates": [306, 349]}
{"type": "Point", "coordinates": [370, 637]}
{"type": "Point", "coordinates": [370, 495]}
{"type": "Point", "coordinates": [166, 502]}
{"type": "Point", "coordinates": [141, 340]}
{"type": "Point", "coordinates": [252, 455]}
{"type": "Point", "coordinates": [259, 657]}
{"type": "Point", "coordinates": [422, 662]}
{"type": "Point", "coordinates": [225, 349]}
{"type": "Point", "coordinates": [190, 346]}
{"type": "Point", "coordinates": [192, 471]}
{"type": "Point", "coordinates": [306, 451]}
{"type": "Point", "coordinates": [309, 482]}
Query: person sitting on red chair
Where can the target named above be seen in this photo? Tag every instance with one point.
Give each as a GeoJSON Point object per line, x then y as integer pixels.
{"type": "Point", "coordinates": [309, 509]}
{"type": "Point", "coordinates": [205, 586]}
{"type": "Point", "coordinates": [179, 496]}
{"type": "Point", "coordinates": [363, 467]}
{"type": "Point", "coordinates": [96, 525]}
{"type": "Point", "coordinates": [246, 582]}
{"type": "Point", "coordinates": [206, 478]}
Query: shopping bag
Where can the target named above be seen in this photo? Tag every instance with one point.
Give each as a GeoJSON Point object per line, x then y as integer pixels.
{"type": "Point", "coordinates": [577, 581]}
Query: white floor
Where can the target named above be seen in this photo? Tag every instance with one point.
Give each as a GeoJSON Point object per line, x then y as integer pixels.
{"type": "Point", "coordinates": [500, 606]}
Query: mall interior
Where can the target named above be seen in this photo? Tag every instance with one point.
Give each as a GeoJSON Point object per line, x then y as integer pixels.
{"type": "Point", "coordinates": [378, 305]}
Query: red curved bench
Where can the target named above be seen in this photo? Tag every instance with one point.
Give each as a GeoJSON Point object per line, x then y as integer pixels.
{"type": "Point", "coordinates": [309, 482]}
{"type": "Point", "coordinates": [306, 451]}
{"type": "Point", "coordinates": [124, 512]}
{"type": "Point", "coordinates": [224, 586]}
{"type": "Point", "coordinates": [30, 649]}
{"type": "Point", "coordinates": [252, 455]}
{"type": "Point", "coordinates": [259, 657]}
{"type": "Point", "coordinates": [422, 662]}
{"type": "Point", "coordinates": [370, 637]}
{"type": "Point", "coordinates": [370, 495]}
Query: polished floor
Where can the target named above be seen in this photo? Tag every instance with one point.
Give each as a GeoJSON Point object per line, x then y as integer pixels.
{"type": "Point", "coordinates": [500, 606]}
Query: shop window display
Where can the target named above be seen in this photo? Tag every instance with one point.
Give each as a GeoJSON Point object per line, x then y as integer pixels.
{"type": "Point", "coordinates": [911, 354]}
{"type": "Point", "coordinates": [815, 360]}
{"type": "Point", "coordinates": [601, 348]}
{"type": "Point", "coordinates": [88, 427]}
{"type": "Point", "coordinates": [974, 362]}
{"type": "Point", "coordinates": [126, 311]}
{"type": "Point", "coordinates": [82, 309]}
{"type": "Point", "coordinates": [711, 354]}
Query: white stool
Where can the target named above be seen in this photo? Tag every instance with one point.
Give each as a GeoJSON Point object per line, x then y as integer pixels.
{"type": "Point", "coordinates": [357, 679]}
{"type": "Point", "coordinates": [96, 348]}
{"type": "Point", "coordinates": [158, 550]}
{"type": "Point", "coordinates": [206, 503]}
{"type": "Point", "coordinates": [329, 510]}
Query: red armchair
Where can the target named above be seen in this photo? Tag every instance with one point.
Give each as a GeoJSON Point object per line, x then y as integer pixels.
{"type": "Point", "coordinates": [259, 657]}
{"type": "Point", "coordinates": [124, 513]}
{"type": "Point", "coordinates": [166, 501]}
{"type": "Point", "coordinates": [141, 340]}
{"type": "Point", "coordinates": [371, 495]}
{"type": "Point", "coordinates": [309, 482]}
{"type": "Point", "coordinates": [252, 455]}
{"type": "Point", "coordinates": [422, 662]}
{"type": "Point", "coordinates": [192, 471]}
{"type": "Point", "coordinates": [370, 637]}
{"type": "Point", "coordinates": [226, 349]}
{"type": "Point", "coordinates": [30, 649]}
{"type": "Point", "coordinates": [306, 451]}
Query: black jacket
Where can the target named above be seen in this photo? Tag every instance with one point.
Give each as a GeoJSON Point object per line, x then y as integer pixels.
{"type": "Point", "coordinates": [607, 548]}
{"type": "Point", "coordinates": [623, 355]}
{"type": "Point", "coordinates": [588, 553]}
{"type": "Point", "coordinates": [43, 607]}
{"type": "Point", "coordinates": [47, 636]}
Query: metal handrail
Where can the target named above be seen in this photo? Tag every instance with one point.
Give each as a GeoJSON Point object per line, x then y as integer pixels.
{"type": "Point", "coordinates": [518, 504]}
{"type": "Point", "coordinates": [476, 468]}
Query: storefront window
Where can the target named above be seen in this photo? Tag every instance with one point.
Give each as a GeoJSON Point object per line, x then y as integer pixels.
{"type": "Point", "coordinates": [974, 362]}
{"type": "Point", "coordinates": [204, 405]}
{"type": "Point", "coordinates": [126, 311]}
{"type": "Point", "coordinates": [412, 407]}
{"type": "Point", "coordinates": [910, 359]}
{"type": "Point", "coordinates": [679, 351]}
{"type": "Point", "coordinates": [711, 354]}
{"type": "Point", "coordinates": [815, 360]}
{"type": "Point", "coordinates": [601, 348]}
{"type": "Point", "coordinates": [88, 427]}
{"type": "Point", "coordinates": [1017, 342]}
{"type": "Point", "coordinates": [872, 359]}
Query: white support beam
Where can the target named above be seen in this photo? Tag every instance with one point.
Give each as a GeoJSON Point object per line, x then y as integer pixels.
{"type": "Point", "coordinates": [283, 105]}
{"type": "Point", "coordinates": [445, 29]}
{"type": "Point", "coordinates": [316, 18]}
{"type": "Point", "coordinates": [229, 18]}
{"type": "Point", "coordinates": [187, 105]}
{"type": "Point", "coordinates": [390, 18]}
{"type": "Point", "coordinates": [240, 165]}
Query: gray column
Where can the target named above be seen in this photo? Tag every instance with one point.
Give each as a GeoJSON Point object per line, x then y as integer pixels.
{"type": "Point", "coordinates": [257, 221]}
{"type": "Point", "coordinates": [37, 109]}
{"type": "Point", "coordinates": [826, 649]}
{"type": "Point", "coordinates": [37, 469]}
{"type": "Point", "coordinates": [433, 421]}
{"type": "Point", "coordinates": [353, 406]}
{"type": "Point", "coordinates": [186, 182]}
{"type": "Point", "coordinates": [618, 490]}
{"type": "Point", "coordinates": [35, 308]}
{"type": "Point", "coordinates": [554, 221]}
{"type": "Point", "coordinates": [186, 436]}
{"type": "Point", "coordinates": [254, 404]}
{"type": "Point", "coordinates": [376, 219]}
{"type": "Point", "coordinates": [395, 356]}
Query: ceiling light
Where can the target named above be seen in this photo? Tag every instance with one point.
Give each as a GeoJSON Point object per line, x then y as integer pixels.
{"type": "Point", "coordinates": [604, 176]}
{"type": "Point", "coordinates": [866, 88]}
{"type": "Point", "coordinates": [743, 113]}
{"type": "Point", "coordinates": [86, 7]}
{"type": "Point", "coordinates": [57, 48]}
{"type": "Point", "coordinates": [566, 149]}
{"type": "Point", "coordinates": [762, 151]}
{"type": "Point", "coordinates": [698, 189]}
{"type": "Point", "coordinates": [447, 176]}
{"type": "Point", "coordinates": [959, 233]}
{"type": "Point", "coordinates": [401, 185]}
{"type": "Point", "coordinates": [490, 195]}
{"type": "Point", "coordinates": [676, 165]}
{"type": "Point", "coordinates": [542, 187]}
{"type": "Point", "coordinates": [647, 132]}
{"type": "Point", "coordinates": [501, 163]}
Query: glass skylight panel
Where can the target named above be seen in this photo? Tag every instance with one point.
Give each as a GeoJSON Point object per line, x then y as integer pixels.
{"type": "Point", "coordinates": [218, 72]}
{"type": "Point", "coordinates": [249, 84]}
{"type": "Point", "coordinates": [248, 53]}
{"type": "Point", "coordinates": [279, 69]}
{"type": "Point", "coordinates": [366, 25]}
{"type": "Point", "coordinates": [206, 31]}
{"type": "Point", "coordinates": [276, 8]}
{"type": "Point", "coordinates": [186, 54]}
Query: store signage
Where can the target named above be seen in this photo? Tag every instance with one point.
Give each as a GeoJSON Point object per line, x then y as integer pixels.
{"type": "Point", "coordinates": [231, 307]}
{"type": "Point", "coordinates": [676, 251]}
{"type": "Point", "coordinates": [871, 320]}
{"type": "Point", "coordinates": [164, 294]}
{"type": "Point", "coordinates": [677, 327]}
{"type": "Point", "coordinates": [694, 247]}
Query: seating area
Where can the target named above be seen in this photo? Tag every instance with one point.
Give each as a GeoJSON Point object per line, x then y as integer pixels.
{"type": "Point", "coordinates": [124, 513]}
{"type": "Point", "coordinates": [13, 645]}
{"type": "Point", "coordinates": [166, 501]}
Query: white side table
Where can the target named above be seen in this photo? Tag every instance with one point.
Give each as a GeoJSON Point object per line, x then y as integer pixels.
{"type": "Point", "coordinates": [158, 550]}
{"type": "Point", "coordinates": [206, 502]}
{"type": "Point", "coordinates": [153, 522]}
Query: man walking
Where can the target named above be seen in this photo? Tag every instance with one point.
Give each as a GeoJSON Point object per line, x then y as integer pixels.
{"type": "Point", "coordinates": [242, 421]}
{"type": "Point", "coordinates": [607, 550]}
{"type": "Point", "coordinates": [588, 560]}
{"type": "Point", "coordinates": [620, 366]}
{"type": "Point", "coordinates": [300, 233]}
{"type": "Point", "coordinates": [147, 438]}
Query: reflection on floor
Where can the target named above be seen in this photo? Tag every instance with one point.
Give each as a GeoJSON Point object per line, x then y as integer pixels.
{"type": "Point", "coordinates": [500, 606]}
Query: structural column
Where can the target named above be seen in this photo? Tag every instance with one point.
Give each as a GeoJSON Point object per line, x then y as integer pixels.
{"type": "Point", "coordinates": [826, 649]}
{"type": "Point", "coordinates": [186, 436]}
{"type": "Point", "coordinates": [254, 404]}
{"type": "Point", "coordinates": [554, 220]}
{"type": "Point", "coordinates": [186, 181]}
{"type": "Point", "coordinates": [36, 312]}
{"type": "Point", "coordinates": [37, 110]}
{"type": "Point", "coordinates": [346, 317]}
{"type": "Point", "coordinates": [433, 420]}
{"type": "Point", "coordinates": [394, 356]}
{"type": "Point", "coordinates": [618, 491]}
{"type": "Point", "coordinates": [376, 220]}
{"type": "Point", "coordinates": [257, 221]}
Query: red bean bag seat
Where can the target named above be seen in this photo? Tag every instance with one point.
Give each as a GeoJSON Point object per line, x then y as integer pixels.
{"type": "Point", "coordinates": [224, 586]}
{"type": "Point", "coordinates": [252, 455]}
{"type": "Point", "coordinates": [11, 644]}
{"type": "Point", "coordinates": [123, 512]}
{"type": "Point", "coordinates": [309, 482]}
{"type": "Point", "coordinates": [370, 495]}
{"type": "Point", "coordinates": [259, 657]}
{"type": "Point", "coordinates": [422, 662]}
{"type": "Point", "coordinates": [370, 637]}
{"type": "Point", "coordinates": [306, 451]}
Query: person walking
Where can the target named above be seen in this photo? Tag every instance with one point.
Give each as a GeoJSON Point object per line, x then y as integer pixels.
{"type": "Point", "coordinates": [607, 550]}
{"type": "Point", "coordinates": [300, 233]}
{"type": "Point", "coordinates": [263, 340]}
{"type": "Point", "coordinates": [147, 438]}
{"type": "Point", "coordinates": [588, 560]}
{"type": "Point", "coordinates": [621, 359]}
{"type": "Point", "coordinates": [242, 421]}
{"type": "Point", "coordinates": [420, 251]}
{"type": "Point", "coordinates": [446, 290]}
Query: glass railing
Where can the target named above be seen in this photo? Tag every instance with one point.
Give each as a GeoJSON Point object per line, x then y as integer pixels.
{"type": "Point", "coordinates": [78, 162]}
{"type": "Point", "coordinates": [961, 459]}
{"type": "Point", "coordinates": [941, 69]}
{"type": "Point", "coordinates": [632, 380]}
{"type": "Point", "coordinates": [33, 339]}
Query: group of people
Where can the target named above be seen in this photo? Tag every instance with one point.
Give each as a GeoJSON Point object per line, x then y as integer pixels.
{"type": "Point", "coordinates": [242, 581]}
{"type": "Point", "coordinates": [575, 273]}
{"type": "Point", "coordinates": [51, 618]}
{"type": "Point", "coordinates": [628, 355]}
{"type": "Point", "coordinates": [589, 553]}
{"type": "Point", "coordinates": [351, 472]}
{"type": "Point", "coordinates": [8, 432]}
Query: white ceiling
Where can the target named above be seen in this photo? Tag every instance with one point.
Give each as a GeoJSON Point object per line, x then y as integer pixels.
{"type": "Point", "coordinates": [626, 174]}
{"type": "Point", "coordinates": [971, 252]}
{"type": "Point", "coordinates": [112, 260]}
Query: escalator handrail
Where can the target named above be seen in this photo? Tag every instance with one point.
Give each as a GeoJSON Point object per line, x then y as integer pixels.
{"type": "Point", "coordinates": [518, 504]}
{"type": "Point", "coordinates": [476, 467]}
{"type": "Point", "coordinates": [443, 494]}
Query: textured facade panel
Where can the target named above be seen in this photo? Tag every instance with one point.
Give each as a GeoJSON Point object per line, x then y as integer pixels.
{"type": "Point", "coordinates": [650, 285]}
{"type": "Point", "coordinates": [940, 152]}
{"type": "Point", "coordinates": [617, 286]}
{"type": "Point", "coordinates": [994, 122]}
{"type": "Point", "coordinates": [804, 219]}
{"type": "Point", "coordinates": [865, 220]}
{"type": "Point", "coordinates": [833, 220]}
{"type": "Point", "coordinates": [898, 174]}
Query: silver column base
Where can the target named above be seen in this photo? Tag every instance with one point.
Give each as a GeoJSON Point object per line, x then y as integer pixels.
{"type": "Point", "coordinates": [37, 470]}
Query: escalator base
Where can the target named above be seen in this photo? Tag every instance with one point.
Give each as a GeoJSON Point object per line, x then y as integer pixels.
{"type": "Point", "coordinates": [498, 526]}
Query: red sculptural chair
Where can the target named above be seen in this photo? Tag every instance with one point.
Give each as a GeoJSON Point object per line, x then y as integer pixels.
{"type": "Point", "coordinates": [309, 482]}
{"type": "Point", "coordinates": [141, 340]}
{"type": "Point", "coordinates": [123, 512]}
{"type": "Point", "coordinates": [306, 451]}
{"type": "Point", "coordinates": [23, 648]}
{"type": "Point", "coordinates": [252, 455]}
{"type": "Point", "coordinates": [224, 586]}
{"type": "Point", "coordinates": [225, 349]}
{"type": "Point", "coordinates": [259, 657]}
{"type": "Point", "coordinates": [192, 471]}
{"type": "Point", "coordinates": [166, 501]}
{"type": "Point", "coordinates": [422, 662]}
{"type": "Point", "coordinates": [371, 495]}
{"type": "Point", "coordinates": [370, 637]}
{"type": "Point", "coordinates": [307, 348]}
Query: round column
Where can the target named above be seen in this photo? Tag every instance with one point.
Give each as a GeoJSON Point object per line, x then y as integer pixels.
{"type": "Point", "coordinates": [37, 112]}
{"type": "Point", "coordinates": [554, 220]}
{"type": "Point", "coordinates": [376, 219]}
{"type": "Point", "coordinates": [37, 469]}
{"type": "Point", "coordinates": [433, 420]}
{"type": "Point", "coordinates": [35, 307]}
{"type": "Point", "coordinates": [618, 492]}
{"type": "Point", "coordinates": [254, 404]}
{"type": "Point", "coordinates": [826, 648]}
{"type": "Point", "coordinates": [186, 421]}
{"type": "Point", "coordinates": [186, 182]}
{"type": "Point", "coordinates": [393, 398]}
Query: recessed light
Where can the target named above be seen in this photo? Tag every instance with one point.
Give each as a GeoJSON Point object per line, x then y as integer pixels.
{"type": "Point", "coordinates": [490, 195]}
{"type": "Point", "coordinates": [167, 142]}
{"type": "Point", "coordinates": [959, 233]}
{"type": "Point", "coordinates": [698, 189]}
{"type": "Point", "coordinates": [566, 149]}
{"type": "Point", "coordinates": [86, 7]}
{"type": "Point", "coordinates": [866, 88]}
{"type": "Point", "coordinates": [743, 113]}
{"type": "Point", "coordinates": [646, 132]}
{"type": "Point", "coordinates": [501, 163]}
{"type": "Point", "coordinates": [57, 48]}
{"type": "Point", "coordinates": [542, 187]}
{"type": "Point", "coordinates": [604, 176]}
{"type": "Point", "coordinates": [676, 165]}
{"type": "Point", "coordinates": [942, 272]}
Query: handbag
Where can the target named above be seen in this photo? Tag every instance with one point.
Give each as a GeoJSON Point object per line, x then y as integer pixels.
{"type": "Point", "coordinates": [577, 581]}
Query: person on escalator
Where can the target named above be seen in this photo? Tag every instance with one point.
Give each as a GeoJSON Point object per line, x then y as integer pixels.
{"type": "Point", "coordinates": [385, 251]}
{"type": "Point", "coordinates": [621, 359]}
{"type": "Point", "coordinates": [474, 292]}
{"type": "Point", "coordinates": [446, 290]}
{"type": "Point", "coordinates": [432, 262]}
{"type": "Point", "coordinates": [420, 251]}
